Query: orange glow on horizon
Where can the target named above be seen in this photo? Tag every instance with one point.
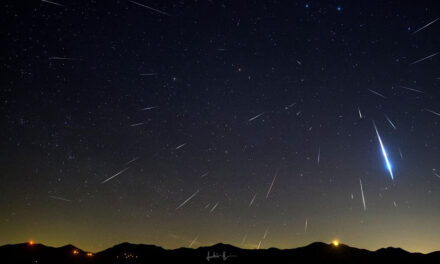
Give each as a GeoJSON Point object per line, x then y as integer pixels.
{"type": "Point", "coordinates": [89, 254]}
{"type": "Point", "coordinates": [31, 242]}
{"type": "Point", "coordinates": [75, 252]}
{"type": "Point", "coordinates": [335, 243]}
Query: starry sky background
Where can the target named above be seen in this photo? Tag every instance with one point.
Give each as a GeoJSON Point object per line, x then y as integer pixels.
{"type": "Point", "coordinates": [75, 77]}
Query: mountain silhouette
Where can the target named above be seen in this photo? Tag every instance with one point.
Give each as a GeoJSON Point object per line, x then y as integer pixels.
{"type": "Point", "coordinates": [126, 253]}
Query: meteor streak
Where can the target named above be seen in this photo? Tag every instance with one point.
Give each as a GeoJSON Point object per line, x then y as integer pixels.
{"type": "Point", "coordinates": [50, 2]}
{"type": "Point", "coordinates": [122, 171]}
{"type": "Point", "coordinates": [425, 26]}
{"type": "Point", "coordinates": [389, 121]}
{"type": "Point", "coordinates": [433, 112]}
{"type": "Point", "coordinates": [384, 152]}
{"type": "Point", "coordinates": [252, 201]}
{"type": "Point", "coordinates": [255, 117]}
{"type": "Point", "coordinates": [64, 199]}
{"type": "Point", "coordinates": [425, 58]}
{"type": "Point", "coordinates": [360, 114]}
{"type": "Point", "coordinates": [213, 208]}
{"type": "Point", "coordinates": [319, 154]}
{"type": "Point", "coordinates": [187, 200]}
{"type": "Point", "coordinates": [180, 146]}
{"type": "Point", "coordinates": [270, 187]}
{"type": "Point", "coordinates": [148, 108]}
{"type": "Point", "coordinates": [362, 192]}
{"type": "Point", "coordinates": [153, 9]}
{"type": "Point", "coordinates": [376, 93]}
{"type": "Point", "coordinates": [410, 89]}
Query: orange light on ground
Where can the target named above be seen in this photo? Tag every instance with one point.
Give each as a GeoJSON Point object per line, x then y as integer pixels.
{"type": "Point", "coordinates": [89, 254]}
{"type": "Point", "coordinates": [335, 243]}
{"type": "Point", "coordinates": [75, 252]}
{"type": "Point", "coordinates": [31, 243]}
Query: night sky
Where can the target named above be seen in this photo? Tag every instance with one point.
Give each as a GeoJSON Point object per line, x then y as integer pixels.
{"type": "Point", "coordinates": [188, 123]}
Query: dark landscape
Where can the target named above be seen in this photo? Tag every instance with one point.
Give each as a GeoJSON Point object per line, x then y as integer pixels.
{"type": "Point", "coordinates": [317, 252]}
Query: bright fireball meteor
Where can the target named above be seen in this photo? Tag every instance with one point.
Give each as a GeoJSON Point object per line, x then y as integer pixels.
{"type": "Point", "coordinates": [384, 152]}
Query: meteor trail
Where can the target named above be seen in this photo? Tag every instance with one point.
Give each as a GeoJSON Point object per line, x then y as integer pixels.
{"type": "Point", "coordinates": [319, 154]}
{"type": "Point", "coordinates": [362, 192]}
{"type": "Point", "coordinates": [425, 26]}
{"type": "Point", "coordinates": [425, 58]}
{"type": "Point", "coordinates": [389, 121]}
{"type": "Point", "coordinates": [244, 239]}
{"type": "Point", "coordinates": [376, 93]}
{"type": "Point", "coordinates": [410, 89]}
{"type": "Point", "coordinates": [401, 155]}
{"type": "Point", "coordinates": [432, 112]}
{"type": "Point", "coordinates": [153, 9]}
{"type": "Point", "coordinates": [60, 198]}
{"type": "Point", "coordinates": [270, 187]}
{"type": "Point", "coordinates": [50, 2]}
{"type": "Point", "coordinates": [192, 242]}
{"type": "Point", "coordinates": [148, 108]}
{"type": "Point", "coordinates": [187, 200]}
{"type": "Point", "coordinates": [265, 233]}
{"type": "Point", "coordinates": [305, 226]}
{"type": "Point", "coordinates": [255, 117]}
{"type": "Point", "coordinates": [435, 173]}
{"type": "Point", "coordinates": [213, 208]}
{"type": "Point", "coordinates": [180, 146]}
{"type": "Point", "coordinates": [137, 124]}
{"type": "Point", "coordinates": [148, 74]}
{"type": "Point", "coordinates": [204, 174]}
{"type": "Point", "coordinates": [360, 114]}
{"type": "Point", "coordinates": [62, 58]}
{"type": "Point", "coordinates": [384, 152]}
{"type": "Point", "coordinates": [122, 171]}
{"type": "Point", "coordinates": [133, 160]}
{"type": "Point", "coordinates": [252, 201]}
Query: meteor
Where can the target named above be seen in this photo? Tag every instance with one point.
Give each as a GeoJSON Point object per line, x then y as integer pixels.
{"type": "Point", "coordinates": [425, 26]}
{"type": "Point", "coordinates": [432, 112]}
{"type": "Point", "coordinates": [148, 108]}
{"type": "Point", "coordinates": [270, 187]}
{"type": "Point", "coordinates": [50, 2]}
{"type": "Point", "coordinates": [319, 154]}
{"type": "Point", "coordinates": [187, 200]}
{"type": "Point", "coordinates": [425, 58]}
{"type": "Point", "coordinates": [122, 171]}
{"type": "Point", "coordinates": [376, 93]}
{"type": "Point", "coordinates": [64, 199]}
{"type": "Point", "coordinates": [153, 9]}
{"type": "Point", "coordinates": [389, 121]}
{"type": "Point", "coordinates": [132, 160]}
{"type": "Point", "coordinates": [255, 117]}
{"type": "Point", "coordinates": [213, 208]}
{"type": "Point", "coordinates": [180, 146]}
{"type": "Point", "coordinates": [362, 192]}
{"type": "Point", "coordinates": [410, 89]}
{"type": "Point", "coordinates": [384, 152]}
{"type": "Point", "coordinates": [360, 114]}
{"type": "Point", "coordinates": [252, 201]}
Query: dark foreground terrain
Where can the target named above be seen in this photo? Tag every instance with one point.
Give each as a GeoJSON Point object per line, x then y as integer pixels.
{"type": "Point", "coordinates": [219, 253]}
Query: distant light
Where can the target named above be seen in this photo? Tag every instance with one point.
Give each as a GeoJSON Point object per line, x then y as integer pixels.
{"type": "Point", "coordinates": [89, 254]}
{"type": "Point", "coordinates": [31, 243]}
{"type": "Point", "coordinates": [307, 5]}
{"type": "Point", "coordinates": [335, 243]}
{"type": "Point", "coordinates": [339, 8]}
{"type": "Point", "coordinates": [75, 252]}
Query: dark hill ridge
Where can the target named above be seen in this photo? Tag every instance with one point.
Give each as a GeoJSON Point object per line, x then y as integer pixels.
{"type": "Point", "coordinates": [219, 253]}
